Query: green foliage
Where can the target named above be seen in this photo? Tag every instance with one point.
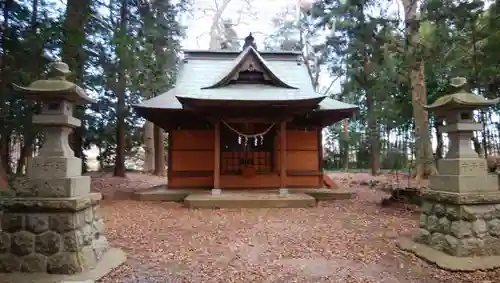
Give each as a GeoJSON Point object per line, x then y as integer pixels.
{"type": "Point", "coordinates": [149, 49]}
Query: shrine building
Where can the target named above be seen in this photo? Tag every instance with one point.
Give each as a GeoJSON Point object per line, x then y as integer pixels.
{"type": "Point", "coordinates": [244, 120]}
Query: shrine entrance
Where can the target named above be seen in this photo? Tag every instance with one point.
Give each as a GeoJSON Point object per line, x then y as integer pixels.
{"type": "Point", "coordinates": [248, 149]}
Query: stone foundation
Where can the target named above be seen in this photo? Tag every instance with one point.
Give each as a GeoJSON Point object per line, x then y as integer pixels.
{"type": "Point", "coordinates": [58, 235]}
{"type": "Point", "coordinates": [461, 230]}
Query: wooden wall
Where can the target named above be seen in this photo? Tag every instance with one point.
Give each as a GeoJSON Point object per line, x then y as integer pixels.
{"type": "Point", "coordinates": [192, 157]}
{"type": "Point", "coordinates": [192, 160]}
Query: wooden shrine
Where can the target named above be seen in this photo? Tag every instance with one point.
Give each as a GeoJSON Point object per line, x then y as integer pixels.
{"type": "Point", "coordinates": [244, 120]}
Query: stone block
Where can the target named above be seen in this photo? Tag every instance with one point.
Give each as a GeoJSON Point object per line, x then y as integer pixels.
{"type": "Point", "coordinates": [10, 263]}
{"type": "Point", "coordinates": [72, 262]}
{"type": "Point", "coordinates": [67, 221]}
{"type": "Point", "coordinates": [465, 230]}
{"type": "Point", "coordinates": [491, 245]}
{"type": "Point", "coordinates": [58, 120]}
{"type": "Point", "coordinates": [13, 222]}
{"type": "Point", "coordinates": [52, 187]}
{"type": "Point", "coordinates": [423, 236]}
{"type": "Point", "coordinates": [455, 198]}
{"type": "Point", "coordinates": [469, 167]}
{"type": "Point", "coordinates": [34, 263]}
{"type": "Point", "coordinates": [464, 183]}
{"type": "Point", "coordinates": [65, 263]}
{"type": "Point", "coordinates": [48, 243]}
{"type": "Point", "coordinates": [37, 222]}
{"type": "Point", "coordinates": [55, 167]}
{"type": "Point", "coordinates": [73, 241]}
{"type": "Point", "coordinates": [479, 228]}
{"type": "Point", "coordinates": [44, 205]}
{"type": "Point", "coordinates": [461, 229]}
{"type": "Point", "coordinates": [474, 212]}
{"type": "Point", "coordinates": [494, 228]}
{"type": "Point", "coordinates": [22, 243]}
{"type": "Point", "coordinates": [4, 242]}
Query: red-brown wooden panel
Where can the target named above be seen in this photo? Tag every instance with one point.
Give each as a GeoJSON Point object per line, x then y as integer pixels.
{"type": "Point", "coordinates": [193, 139]}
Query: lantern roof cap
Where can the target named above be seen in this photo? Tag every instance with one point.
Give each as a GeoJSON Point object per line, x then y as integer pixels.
{"type": "Point", "coordinates": [56, 87]}
{"type": "Point", "coordinates": [461, 98]}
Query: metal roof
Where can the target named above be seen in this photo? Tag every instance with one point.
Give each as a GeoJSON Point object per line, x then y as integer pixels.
{"type": "Point", "coordinates": [202, 69]}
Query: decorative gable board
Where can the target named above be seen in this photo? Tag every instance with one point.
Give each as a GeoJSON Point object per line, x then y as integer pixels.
{"type": "Point", "coordinates": [250, 64]}
{"type": "Point", "coordinates": [251, 70]}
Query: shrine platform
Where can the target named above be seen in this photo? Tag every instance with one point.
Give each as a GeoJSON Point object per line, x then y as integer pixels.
{"type": "Point", "coordinates": [244, 197]}
{"type": "Point", "coordinates": [249, 200]}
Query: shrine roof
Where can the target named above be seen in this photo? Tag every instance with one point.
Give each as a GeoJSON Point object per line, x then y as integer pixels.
{"type": "Point", "coordinates": [202, 69]}
{"type": "Point", "coordinates": [208, 78]}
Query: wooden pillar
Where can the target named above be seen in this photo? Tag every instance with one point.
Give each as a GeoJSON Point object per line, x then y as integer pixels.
{"type": "Point", "coordinates": [283, 147]}
{"type": "Point", "coordinates": [320, 156]}
{"type": "Point", "coordinates": [216, 189]}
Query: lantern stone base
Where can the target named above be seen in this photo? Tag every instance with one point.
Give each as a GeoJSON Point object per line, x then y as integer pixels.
{"type": "Point", "coordinates": [458, 231]}
{"type": "Point", "coordinates": [52, 235]}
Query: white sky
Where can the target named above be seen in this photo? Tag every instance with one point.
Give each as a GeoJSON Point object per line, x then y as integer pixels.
{"type": "Point", "coordinates": [200, 25]}
{"type": "Point", "coordinates": [265, 10]}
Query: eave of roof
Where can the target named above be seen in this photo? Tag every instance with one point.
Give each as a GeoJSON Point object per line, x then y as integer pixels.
{"type": "Point", "coordinates": [208, 102]}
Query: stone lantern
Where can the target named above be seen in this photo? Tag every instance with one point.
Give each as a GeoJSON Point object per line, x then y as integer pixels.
{"type": "Point", "coordinates": [52, 224]}
{"type": "Point", "coordinates": [460, 213]}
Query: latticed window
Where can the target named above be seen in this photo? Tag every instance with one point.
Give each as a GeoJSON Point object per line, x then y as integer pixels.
{"type": "Point", "coordinates": [239, 152]}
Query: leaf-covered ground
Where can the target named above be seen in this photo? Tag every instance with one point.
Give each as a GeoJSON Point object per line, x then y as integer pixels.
{"type": "Point", "coordinates": [343, 241]}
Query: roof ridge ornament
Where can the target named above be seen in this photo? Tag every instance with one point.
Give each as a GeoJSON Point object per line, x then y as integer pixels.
{"type": "Point", "coordinates": [249, 41]}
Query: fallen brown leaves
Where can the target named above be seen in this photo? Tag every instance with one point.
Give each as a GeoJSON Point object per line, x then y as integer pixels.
{"type": "Point", "coordinates": [122, 188]}
{"type": "Point", "coordinates": [343, 241]}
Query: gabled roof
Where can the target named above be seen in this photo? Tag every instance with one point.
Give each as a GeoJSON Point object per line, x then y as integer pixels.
{"type": "Point", "coordinates": [203, 75]}
{"type": "Point", "coordinates": [248, 52]}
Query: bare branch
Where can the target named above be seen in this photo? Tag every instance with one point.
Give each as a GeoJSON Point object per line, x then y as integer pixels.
{"type": "Point", "coordinates": [331, 85]}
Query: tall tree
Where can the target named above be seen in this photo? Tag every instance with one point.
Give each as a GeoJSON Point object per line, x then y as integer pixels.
{"type": "Point", "coordinates": [425, 165]}
{"type": "Point", "coordinates": [121, 88]}
{"type": "Point", "coordinates": [73, 53]}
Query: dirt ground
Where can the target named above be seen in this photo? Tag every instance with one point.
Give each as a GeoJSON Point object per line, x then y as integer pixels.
{"type": "Point", "coordinates": [343, 241]}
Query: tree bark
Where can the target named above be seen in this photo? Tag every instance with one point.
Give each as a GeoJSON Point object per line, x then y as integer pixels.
{"type": "Point", "coordinates": [439, 136]}
{"type": "Point", "coordinates": [159, 152]}
{"type": "Point", "coordinates": [37, 51]}
{"type": "Point", "coordinates": [119, 170]}
{"type": "Point", "coordinates": [73, 54]}
{"type": "Point", "coordinates": [149, 147]}
{"type": "Point", "coordinates": [149, 143]}
{"type": "Point", "coordinates": [214, 43]}
{"type": "Point", "coordinates": [345, 133]}
{"type": "Point", "coordinates": [425, 165]}
{"type": "Point", "coordinates": [373, 128]}
{"type": "Point", "coordinates": [5, 130]}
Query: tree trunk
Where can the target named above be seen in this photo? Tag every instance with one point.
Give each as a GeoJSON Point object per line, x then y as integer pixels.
{"type": "Point", "coordinates": [149, 144]}
{"type": "Point", "coordinates": [4, 180]}
{"type": "Point", "coordinates": [345, 132]}
{"type": "Point", "coordinates": [5, 130]}
{"type": "Point", "coordinates": [214, 43]}
{"type": "Point", "coordinates": [73, 54]}
{"type": "Point", "coordinates": [439, 136]}
{"type": "Point", "coordinates": [149, 147]}
{"type": "Point", "coordinates": [159, 152]}
{"type": "Point", "coordinates": [425, 165]}
{"type": "Point", "coordinates": [37, 52]}
{"type": "Point", "coordinates": [121, 88]}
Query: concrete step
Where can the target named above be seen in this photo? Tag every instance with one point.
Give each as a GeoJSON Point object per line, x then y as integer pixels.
{"type": "Point", "coordinates": [249, 200]}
